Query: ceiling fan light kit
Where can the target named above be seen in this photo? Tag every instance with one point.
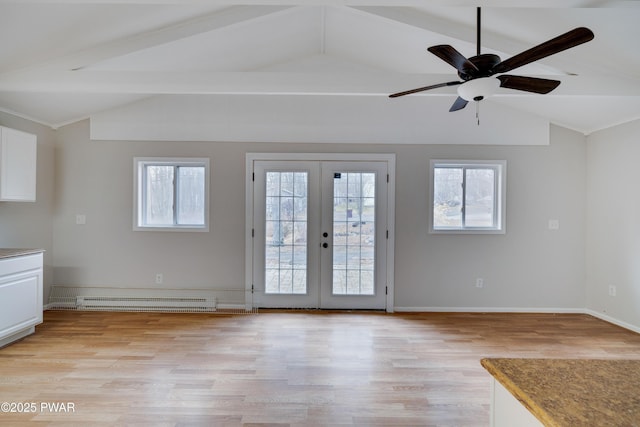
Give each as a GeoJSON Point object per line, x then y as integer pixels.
{"type": "Point", "coordinates": [479, 73]}
{"type": "Point", "coordinates": [478, 89]}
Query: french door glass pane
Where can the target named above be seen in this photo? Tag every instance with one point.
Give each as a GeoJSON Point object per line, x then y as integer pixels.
{"type": "Point", "coordinates": [479, 198]}
{"type": "Point", "coordinates": [286, 232]}
{"type": "Point", "coordinates": [447, 198]}
{"type": "Point", "coordinates": [353, 233]}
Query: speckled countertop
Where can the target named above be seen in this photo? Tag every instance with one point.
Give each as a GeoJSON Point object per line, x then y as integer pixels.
{"type": "Point", "coordinates": [573, 392]}
{"type": "Point", "coordinates": [11, 252]}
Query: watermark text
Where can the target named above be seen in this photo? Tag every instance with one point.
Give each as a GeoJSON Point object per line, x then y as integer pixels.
{"type": "Point", "coordinates": [37, 407]}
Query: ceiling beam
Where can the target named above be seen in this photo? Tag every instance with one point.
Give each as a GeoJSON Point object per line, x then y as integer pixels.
{"type": "Point", "coordinates": [202, 24]}
{"type": "Point", "coordinates": [414, 3]}
{"type": "Point", "coordinates": [271, 83]}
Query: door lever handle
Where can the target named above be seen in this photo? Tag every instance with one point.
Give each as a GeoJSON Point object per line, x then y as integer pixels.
{"type": "Point", "coordinates": [325, 245]}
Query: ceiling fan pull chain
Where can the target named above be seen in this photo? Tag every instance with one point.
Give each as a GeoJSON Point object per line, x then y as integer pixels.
{"type": "Point", "coordinates": [478, 112]}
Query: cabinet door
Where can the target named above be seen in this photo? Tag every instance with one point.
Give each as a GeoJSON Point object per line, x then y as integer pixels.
{"type": "Point", "coordinates": [20, 296]}
{"type": "Point", "coordinates": [18, 157]}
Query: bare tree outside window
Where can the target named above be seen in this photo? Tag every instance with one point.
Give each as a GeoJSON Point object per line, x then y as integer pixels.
{"type": "Point", "coordinates": [190, 189]}
{"type": "Point", "coordinates": [286, 232]}
{"type": "Point", "coordinates": [159, 195]}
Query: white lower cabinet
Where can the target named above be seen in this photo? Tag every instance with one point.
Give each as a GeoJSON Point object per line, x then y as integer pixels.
{"type": "Point", "coordinates": [507, 411]}
{"type": "Point", "coordinates": [20, 296]}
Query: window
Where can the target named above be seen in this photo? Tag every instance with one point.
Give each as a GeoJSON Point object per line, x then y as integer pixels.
{"type": "Point", "coordinates": [468, 196]}
{"type": "Point", "coordinates": [171, 194]}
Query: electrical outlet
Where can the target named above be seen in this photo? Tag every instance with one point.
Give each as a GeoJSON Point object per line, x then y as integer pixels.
{"type": "Point", "coordinates": [81, 219]}
{"type": "Point", "coordinates": [612, 290]}
{"type": "Point", "coordinates": [479, 283]}
{"type": "Point", "coordinates": [159, 278]}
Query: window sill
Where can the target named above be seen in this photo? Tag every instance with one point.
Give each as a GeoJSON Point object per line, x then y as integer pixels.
{"type": "Point", "coordinates": [203, 229]}
{"type": "Point", "coordinates": [467, 231]}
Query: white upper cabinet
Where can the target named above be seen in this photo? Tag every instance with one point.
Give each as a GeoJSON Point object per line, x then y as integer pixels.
{"type": "Point", "coordinates": [18, 155]}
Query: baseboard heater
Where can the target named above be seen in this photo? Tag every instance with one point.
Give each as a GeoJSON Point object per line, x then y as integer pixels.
{"type": "Point", "coordinates": [143, 299]}
{"type": "Point", "coordinates": [111, 303]}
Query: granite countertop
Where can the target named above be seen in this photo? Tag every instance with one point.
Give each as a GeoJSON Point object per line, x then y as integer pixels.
{"type": "Point", "coordinates": [573, 392]}
{"type": "Point", "coordinates": [13, 252]}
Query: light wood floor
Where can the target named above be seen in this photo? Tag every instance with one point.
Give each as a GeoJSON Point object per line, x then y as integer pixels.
{"type": "Point", "coordinates": [282, 368]}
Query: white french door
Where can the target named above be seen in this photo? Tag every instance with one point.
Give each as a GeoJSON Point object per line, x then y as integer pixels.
{"type": "Point", "coordinates": [354, 228]}
{"type": "Point", "coordinates": [286, 231]}
{"type": "Point", "coordinates": [319, 234]}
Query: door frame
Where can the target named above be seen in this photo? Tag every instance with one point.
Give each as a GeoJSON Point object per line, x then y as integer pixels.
{"type": "Point", "coordinates": [389, 158]}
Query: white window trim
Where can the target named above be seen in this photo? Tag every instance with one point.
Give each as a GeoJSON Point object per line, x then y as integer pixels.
{"type": "Point", "coordinates": [501, 193]}
{"type": "Point", "coordinates": [180, 161]}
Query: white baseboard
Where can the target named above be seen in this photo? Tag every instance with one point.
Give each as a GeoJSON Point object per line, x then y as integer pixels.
{"type": "Point", "coordinates": [489, 310]}
{"type": "Point", "coordinates": [613, 320]}
{"type": "Point", "coordinates": [16, 336]}
{"type": "Point", "coordinates": [593, 313]}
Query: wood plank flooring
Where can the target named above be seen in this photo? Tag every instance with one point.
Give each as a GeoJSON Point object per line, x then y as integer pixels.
{"type": "Point", "coordinates": [281, 368]}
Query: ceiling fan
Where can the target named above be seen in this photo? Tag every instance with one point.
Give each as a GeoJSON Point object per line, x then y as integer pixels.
{"type": "Point", "coordinates": [478, 73]}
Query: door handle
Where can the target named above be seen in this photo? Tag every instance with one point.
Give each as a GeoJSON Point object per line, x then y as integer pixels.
{"type": "Point", "coordinates": [325, 245]}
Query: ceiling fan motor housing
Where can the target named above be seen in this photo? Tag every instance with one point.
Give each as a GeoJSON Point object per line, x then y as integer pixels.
{"type": "Point", "coordinates": [484, 64]}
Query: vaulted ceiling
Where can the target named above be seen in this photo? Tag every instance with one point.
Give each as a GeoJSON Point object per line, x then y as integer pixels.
{"type": "Point", "coordinates": [62, 61]}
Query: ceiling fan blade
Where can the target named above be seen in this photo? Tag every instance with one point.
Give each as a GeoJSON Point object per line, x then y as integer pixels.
{"type": "Point", "coordinates": [422, 89]}
{"type": "Point", "coordinates": [459, 104]}
{"type": "Point", "coordinates": [528, 84]}
{"type": "Point", "coordinates": [565, 41]}
{"type": "Point", "coordinates": [454, 58]}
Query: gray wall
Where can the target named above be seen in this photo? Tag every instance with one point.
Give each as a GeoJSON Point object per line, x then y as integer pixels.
{"type": "Point", "coordinates": [585, 183]}
{"type": "Point", "coordinates": [530, 267]}
{"type": "Point", "coordinates": [613, 245]}
{"type": "Point", "coordinates": [28, 224]}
